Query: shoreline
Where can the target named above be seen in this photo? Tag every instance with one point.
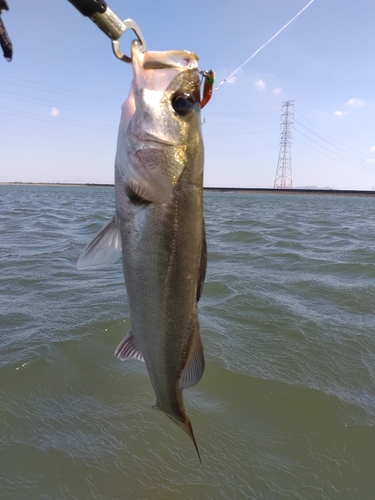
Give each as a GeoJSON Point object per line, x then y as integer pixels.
{"type": "Point", "coordinates": [330, 192]}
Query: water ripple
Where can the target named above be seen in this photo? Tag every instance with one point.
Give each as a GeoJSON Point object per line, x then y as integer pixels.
{"type": "Point", "coordinates": [286, 407]}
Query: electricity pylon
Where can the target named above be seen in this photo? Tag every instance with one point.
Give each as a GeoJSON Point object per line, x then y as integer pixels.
{"type": "Point", "coordinates": [283, 177]}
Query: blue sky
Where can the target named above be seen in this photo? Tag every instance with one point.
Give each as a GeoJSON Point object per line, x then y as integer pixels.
{"type": "Point", "coordinates": [61, 95]}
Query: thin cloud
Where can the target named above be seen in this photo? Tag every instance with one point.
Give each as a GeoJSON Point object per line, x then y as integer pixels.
{"type": "Point", "coordinates": [373, 148]}
{"type": "Point", "coordinates": [277, 90]}
{"type": "Point", "coordinates": [354, 101]}
{"type": "Point", "coordinates": [54, 112]}
{"type": "Point", "coordinates": [232, 79]}
{"type": "Point", "coordinates": [341, 113]}
{"type": "Point", "coordinates": [370, 160]}
{"type": "Point", "coordinates": [260, 84]}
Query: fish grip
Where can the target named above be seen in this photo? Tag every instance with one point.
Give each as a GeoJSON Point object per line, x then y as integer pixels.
{"type": "Point", "coordinates": [99, 12]}
{"type": "Point", "coordinates": [5, 42]}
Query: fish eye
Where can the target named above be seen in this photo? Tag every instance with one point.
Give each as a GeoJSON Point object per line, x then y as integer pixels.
{"type": "Point", "coordinates": [182, 103]}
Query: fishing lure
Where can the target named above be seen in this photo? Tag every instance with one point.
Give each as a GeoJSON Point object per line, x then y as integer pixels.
{"type": "Point", "coordinates": [209, 80]}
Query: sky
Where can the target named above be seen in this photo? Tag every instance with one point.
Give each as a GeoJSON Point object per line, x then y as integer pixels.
{"type": "Point", "coordinates": [61, 95]}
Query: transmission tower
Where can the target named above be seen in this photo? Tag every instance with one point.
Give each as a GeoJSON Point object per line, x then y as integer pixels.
{"type": "Point", "coordinates": [283, 177]}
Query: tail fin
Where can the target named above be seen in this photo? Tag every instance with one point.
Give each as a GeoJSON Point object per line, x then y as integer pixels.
{"type": "Point", "coordinates": [186, 426]}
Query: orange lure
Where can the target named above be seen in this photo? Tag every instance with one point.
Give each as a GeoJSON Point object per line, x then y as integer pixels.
{"type": "Point", "coordinates": [209, 79]}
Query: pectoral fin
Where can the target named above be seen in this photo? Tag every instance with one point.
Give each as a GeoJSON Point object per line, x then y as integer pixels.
{"type": "Point", "coordinates": [194, 366]}
{"type": "Point", "coordinates": [146, 185]}
{"type": "Point", "coordinates": [103, 249]}
{"type": "Point", "coordinates": [127, 349]}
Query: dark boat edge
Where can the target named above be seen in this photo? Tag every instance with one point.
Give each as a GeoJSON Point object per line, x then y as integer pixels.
{"type": "Point", "coordinates": [332, 192]}
{"type": "Point", "coordinates": [309, 191]}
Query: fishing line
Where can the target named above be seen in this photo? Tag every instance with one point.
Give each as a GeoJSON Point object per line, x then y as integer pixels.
{"type": "Point", "coordinates": [260, 48]}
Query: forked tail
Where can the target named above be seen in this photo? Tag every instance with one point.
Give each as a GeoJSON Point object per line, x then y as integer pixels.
{"type": "Point", "coordinates": [185, 424]}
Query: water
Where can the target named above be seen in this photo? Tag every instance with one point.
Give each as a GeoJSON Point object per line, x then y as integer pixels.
{"type": "Point", "coordinates": [286, 407]}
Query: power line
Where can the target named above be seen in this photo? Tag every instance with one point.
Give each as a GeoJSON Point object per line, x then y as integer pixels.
{"type": "Point", "coordinates": [13, 126]}
{"type": "Point", "coordinates": [41, 84]}
{"type": "Point", "coordinates": [257, 112]}
{"type": "Point", "coordinates": [335, 159]}
{"type": "Point", "coordinates": [53, 103]}
{"type": "Point", "coordinates": [96, 99]}
{"type": "Point", "coordinates": [242, 133]}
{"type": "Point", "coordinates": [329, 150]}
{"type": "Point", "coordinates": [330, 135]}
{"type": "Point", "coordinates": [356, 155]}
{"type": "Point", "coordinates": [61, 121]}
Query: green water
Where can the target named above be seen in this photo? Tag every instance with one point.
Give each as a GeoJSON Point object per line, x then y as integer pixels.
{"type": "Point", "coordinates": [286, 407]}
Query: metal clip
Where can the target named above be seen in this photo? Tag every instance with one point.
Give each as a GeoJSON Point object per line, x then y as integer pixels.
{"type": "Point", "coordinates": [99, 12]}
{"type": "Point", "coordinates": [114, 28]}
{"type": "Point", "coordinates": [141, 42]}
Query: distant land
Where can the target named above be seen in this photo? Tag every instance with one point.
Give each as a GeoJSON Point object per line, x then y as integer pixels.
{"type": "Point", "coordinates": [313, 187]}
{"type": "Point", "coordinates": [311, 190]}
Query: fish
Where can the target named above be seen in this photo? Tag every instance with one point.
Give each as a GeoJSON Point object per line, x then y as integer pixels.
{"type": "Point", "coordinates": [158, 227]}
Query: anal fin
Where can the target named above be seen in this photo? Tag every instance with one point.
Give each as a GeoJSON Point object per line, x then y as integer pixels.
{"type": "Point", "coordinates": [202, 264]}
{"type": "Point", "coordinates": [127, 350]}
{"type": "Point", "coordinates": [195, 363]}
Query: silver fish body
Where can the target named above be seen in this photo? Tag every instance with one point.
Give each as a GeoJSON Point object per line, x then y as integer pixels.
{"type": "Point", "coordinates": [159, 215]}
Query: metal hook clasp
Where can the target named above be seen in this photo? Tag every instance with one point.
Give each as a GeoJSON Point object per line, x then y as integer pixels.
{"type": "Point", "coordinates": [114, 28]}
{"type": "Point", "coordinates": [141, 42]}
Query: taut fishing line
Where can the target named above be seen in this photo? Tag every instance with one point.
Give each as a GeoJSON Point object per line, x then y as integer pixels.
{"type": "Point", "coordinates": [260, 48]}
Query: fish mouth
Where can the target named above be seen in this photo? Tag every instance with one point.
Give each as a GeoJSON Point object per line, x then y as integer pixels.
{"type": "Point", "coordinates": [156, 142]}
{"type": "Point", "coordinates": [171, 59]}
